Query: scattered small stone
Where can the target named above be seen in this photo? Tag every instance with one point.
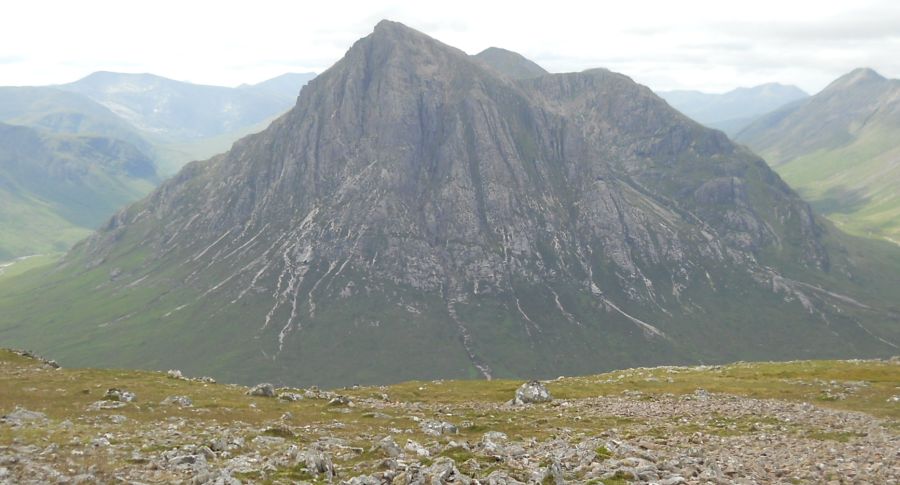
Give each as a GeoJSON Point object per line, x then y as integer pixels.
{"type": "Point", "coordinates": [100, 441]}
{"type": "Point", "coordinates": [118, 419]}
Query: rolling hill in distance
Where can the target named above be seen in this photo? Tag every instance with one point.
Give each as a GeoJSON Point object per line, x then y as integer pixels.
{"type": "Point", "coordinates": [840, 150]}
{"type": "Point", "coordinates": [421, 213]}
{"type": "Point", "coordinates": [74, 166]}
{"type": "Point", "coordinates": [56, 188]}
{"type": "Point", "coordinates": [180, 111]}
{"type": "Point", "coordinates": [734, 110]}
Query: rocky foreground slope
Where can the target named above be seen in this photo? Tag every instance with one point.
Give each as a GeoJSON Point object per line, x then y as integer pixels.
{"type": "Point", "coordinates": [799, 422]}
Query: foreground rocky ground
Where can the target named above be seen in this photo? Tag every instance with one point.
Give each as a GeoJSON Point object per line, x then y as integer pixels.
{"type": "Point", "coordinates": [801, 422]}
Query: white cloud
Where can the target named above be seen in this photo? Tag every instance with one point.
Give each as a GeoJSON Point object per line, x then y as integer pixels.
{"type": "Point", "coordinates": [707, 45]}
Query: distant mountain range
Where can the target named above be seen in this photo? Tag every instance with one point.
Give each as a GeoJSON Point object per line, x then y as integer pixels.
{"type": "Point", "coordinates": [179, 111]}
{"type": "Point", "coordinates": [732, 111]}
{"type": "Point", "coordinates": [83, 137]}
{"type": "Point", "coordinates": [421, 213]}
{"type": "Point", "coordinates": [841, 150]}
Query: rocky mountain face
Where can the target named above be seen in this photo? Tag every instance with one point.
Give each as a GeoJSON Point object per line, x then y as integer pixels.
{"type": "Point", "coordinates": [180, 111]}
{"type": "Point", "coordinates": [55, 189]}
{"type": "Point", "coordinates": [839, 149]}
{"type": "Point", "coordinates": [285, 87]}
{"type": "Point", "coordinates": [418, 215]}
{"type": "Point", "coordinates": [734, 110]}
{"type": "Point", "coordinates": [510, 64]}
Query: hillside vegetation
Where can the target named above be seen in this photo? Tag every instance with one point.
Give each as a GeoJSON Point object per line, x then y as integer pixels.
{"type": "Point", "coordinates": [797, 422]}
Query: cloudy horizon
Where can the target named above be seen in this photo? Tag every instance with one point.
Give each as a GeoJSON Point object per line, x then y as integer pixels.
{"type": "Point", "coordinates": [699, 45]}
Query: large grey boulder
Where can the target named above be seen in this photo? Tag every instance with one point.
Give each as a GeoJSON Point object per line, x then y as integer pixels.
{"type": "Point", "coordinates": [532, 392]}
{"type": "Point", "coordinates": [262, 390]}
{"type": "Point", "coordinates": [119, 395]}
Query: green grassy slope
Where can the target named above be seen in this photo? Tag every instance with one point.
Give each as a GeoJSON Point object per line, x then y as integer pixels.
{"type": "Point", "coordinates": [854, 185]}
{"type": "Point", "coordinates": [840, 149]}
{"type": "Point", "coordinates": [142, 323]}
{"type": "Point", "coordinates": [55, 188]}
{"type": "Point", "coordinates": [585, 407]}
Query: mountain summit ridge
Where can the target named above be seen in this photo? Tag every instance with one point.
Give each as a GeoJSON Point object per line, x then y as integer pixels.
{"type": "Point", "coordinates": [416, 215]}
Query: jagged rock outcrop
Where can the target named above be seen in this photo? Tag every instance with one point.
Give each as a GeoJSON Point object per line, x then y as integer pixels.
{"type": "Point", "coordinates": [418, 215]}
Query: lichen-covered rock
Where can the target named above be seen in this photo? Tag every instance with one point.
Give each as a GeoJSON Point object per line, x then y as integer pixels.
{"type": "Point", "coordinates": [101, 405]}
{"type": "Point", "coordinates": [20, 416]}
{"type": "Point", "coordinates": [532, 392]}
{"type": "Point", "coordinates": [319, 463]}
{"type": "Point", "coordinates": [437, 428]}
{"type": "Point", "coordinates": [262, 390]}
{"type": "Point", "coordinates": [340, 401]}
{"type": "Point", "coordinates": [180, 401]}
{"type": "Point", "coordinates": [389, 447]}
{"type": "Point", "coordinates": [114, 394]}
{"type": "Point", "coordinates": [290, 396]}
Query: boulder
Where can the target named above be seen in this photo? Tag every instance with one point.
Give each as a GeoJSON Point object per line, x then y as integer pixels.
{"type": "Point", "coordinates": [114, 394]}
{"type": "Point", "coordinates": [180, 401]}
{"type": "Point", "coordinates": [532, 392]}
{"type": "Point", "coordinates": [290, 396]}
{"type": "Point", "coordinates": [389, 447]}
{"type": "Point", "coordinates": [437, 428]}
{"type": "Point", "coordinates": [21, 416]}
{"type": "Point", "coordinates": [100, 405]}
{"type": "Point", "coordinates": [340, 401]}
{"type": "Point", "coordinates": [262, 390]}
{"type": "Point", "coordinates": [318, 463]}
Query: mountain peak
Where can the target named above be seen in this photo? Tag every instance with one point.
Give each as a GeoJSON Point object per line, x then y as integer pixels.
{"type": "Point", "coordinates": [413, 203]}
{"type": "Point", "coordinates": [391, 31]}
{"type": "Point", "coordinates": [511, 64]}
{"type": "Point", "coordinates": [856, 77]}
{"type": "Point", "coordinates": [386, 25]}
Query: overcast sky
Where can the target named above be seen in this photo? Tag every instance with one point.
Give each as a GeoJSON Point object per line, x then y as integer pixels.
{"type": "Point", "coordinates": [711, 46]}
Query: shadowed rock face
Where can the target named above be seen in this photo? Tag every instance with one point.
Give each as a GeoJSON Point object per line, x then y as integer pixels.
{"type": "Point", "coordinates": [417, 215]}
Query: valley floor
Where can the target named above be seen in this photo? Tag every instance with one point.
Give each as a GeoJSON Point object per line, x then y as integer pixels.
{"type": "Point", "coordinates": [798, 422]}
